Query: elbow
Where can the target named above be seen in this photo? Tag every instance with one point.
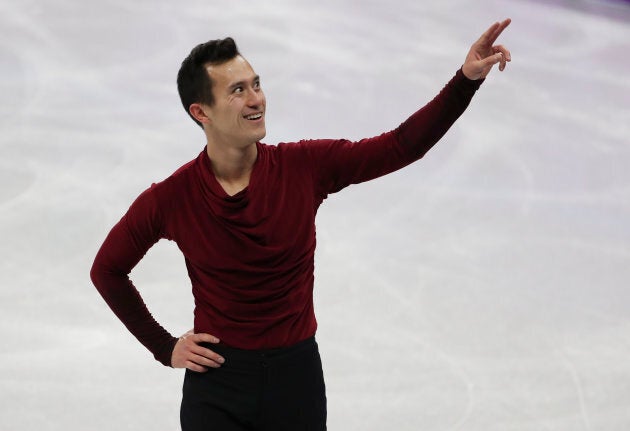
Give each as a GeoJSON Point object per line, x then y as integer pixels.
{"type": "Point", "coordinates": [107, 279]}
{"type": "Point", "coordinates": [101, 275]}
{"type": "Point", "coordinates": [96, 275]}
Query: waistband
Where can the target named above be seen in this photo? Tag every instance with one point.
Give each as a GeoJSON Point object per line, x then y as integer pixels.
{"type": "Point", "coordinates": [244, 355]}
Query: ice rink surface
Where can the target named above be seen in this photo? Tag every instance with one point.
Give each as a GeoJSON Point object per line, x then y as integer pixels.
{"type": "Point", "coordinates": [485, 287]}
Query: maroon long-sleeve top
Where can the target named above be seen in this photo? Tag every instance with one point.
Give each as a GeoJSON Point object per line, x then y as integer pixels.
{"type": "Point", "coordinates": [250, 256]}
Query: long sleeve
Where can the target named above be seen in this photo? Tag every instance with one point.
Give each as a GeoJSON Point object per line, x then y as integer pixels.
{"type": "Point", "coordinates": [426, 127]}
{"type": "Point", "coordinates": [126, 244]}
{"type": "Point", "coordinates": [339, 163]}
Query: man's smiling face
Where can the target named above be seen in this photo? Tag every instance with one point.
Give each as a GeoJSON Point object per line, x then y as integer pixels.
{"type": "Point", "coordinates": [237, 116]}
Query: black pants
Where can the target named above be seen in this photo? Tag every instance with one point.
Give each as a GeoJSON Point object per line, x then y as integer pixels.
{"type": "Point", "coordinates": [277, 389]}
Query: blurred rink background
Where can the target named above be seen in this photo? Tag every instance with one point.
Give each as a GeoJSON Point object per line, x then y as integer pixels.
{"type": "Point", "coordinates": [484, 288]}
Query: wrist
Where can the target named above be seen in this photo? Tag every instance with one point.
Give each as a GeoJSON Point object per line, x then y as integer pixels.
{"type": "Point", "coordinates": [468, 74]}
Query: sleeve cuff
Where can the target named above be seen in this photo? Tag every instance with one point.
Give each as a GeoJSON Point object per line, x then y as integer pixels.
{"type": "Point", "coordinates": [473, 84]}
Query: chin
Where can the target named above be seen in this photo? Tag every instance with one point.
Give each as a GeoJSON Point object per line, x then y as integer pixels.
{"type": "Point", "coordinates": [261, 135]}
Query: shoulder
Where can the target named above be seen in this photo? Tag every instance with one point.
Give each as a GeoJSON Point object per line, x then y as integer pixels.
{"type": "Point", "coordinates": [278, 153]}
{"type": "Point", "coordinates": [307, 148]}
{"type": "Point", "coordinates": [164, 194]}
{"type": "Point", "coordinates": [292, 155]}
{"type": "Point", "coordinates": [179, 180]}
{"type": "Point", "coordinates": [186, 171]}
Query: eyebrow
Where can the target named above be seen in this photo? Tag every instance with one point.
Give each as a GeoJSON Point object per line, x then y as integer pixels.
{"type": "Point", "coordinates": [241, 83]}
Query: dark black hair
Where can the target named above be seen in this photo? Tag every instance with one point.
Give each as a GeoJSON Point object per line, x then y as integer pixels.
{"type": "Point", "coordinates": [193, 82]}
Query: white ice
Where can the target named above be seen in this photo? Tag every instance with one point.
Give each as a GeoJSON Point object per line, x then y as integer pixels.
{"type": "Point", "coordinates": [485, 287]}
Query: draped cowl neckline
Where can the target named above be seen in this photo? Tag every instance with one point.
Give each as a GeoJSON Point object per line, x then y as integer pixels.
{"type": "Point", "coordinates": [215, 195]}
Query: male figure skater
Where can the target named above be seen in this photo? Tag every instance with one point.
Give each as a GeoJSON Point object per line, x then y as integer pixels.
{"type": "Point", "coordinates": [243, 215]}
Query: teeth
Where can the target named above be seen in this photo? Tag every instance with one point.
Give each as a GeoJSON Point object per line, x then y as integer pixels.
{"type": "Point", "coordinates": [254, 116]}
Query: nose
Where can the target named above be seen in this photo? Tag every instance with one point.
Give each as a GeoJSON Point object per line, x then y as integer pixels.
{"type": "Point", "coordinates": [256, 97]}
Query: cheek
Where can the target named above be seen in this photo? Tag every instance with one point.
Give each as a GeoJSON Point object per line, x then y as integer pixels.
{"type": "Point", "coordinates": [236, 108]}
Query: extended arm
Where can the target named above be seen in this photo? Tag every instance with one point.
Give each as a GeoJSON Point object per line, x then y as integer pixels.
{"type": "Point", "coordinates": [339, 163]}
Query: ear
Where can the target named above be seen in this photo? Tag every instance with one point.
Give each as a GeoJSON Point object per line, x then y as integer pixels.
{"type": "Point", "coordinates": [198, 111]}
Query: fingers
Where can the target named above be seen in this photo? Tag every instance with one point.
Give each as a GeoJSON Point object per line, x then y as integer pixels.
{"type": "Point", "coordinates": [204, 338]}
{"type": "Point", "coordinates": [195, 367]}
{"type": "Point", "coordinates": [189, 354]}
{"type": "Point", "coordinates": [503, 50]}
{"type": "Point", "coordinates": [505, 55]}
{"type": "Point", "coordinates": [483, 55]}
{"type": "Point", "coordinates": [499, 29]}
{"type": "Point", "coordinates": [207, 356]}
{"type": "Point", "coordinates": [490, 61]}
{"type": "Point", "coordinates": [495, 30]}
{"type": "Point", "coordinates": [202, 361]}
{"type": "Point", "coordinates": [485, 37]}
{"type": "Point", "coordinates": [501, 56]}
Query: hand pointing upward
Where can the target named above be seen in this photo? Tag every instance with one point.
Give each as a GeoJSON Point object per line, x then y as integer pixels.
{"type": "Point", "coordinates": [484, 54]}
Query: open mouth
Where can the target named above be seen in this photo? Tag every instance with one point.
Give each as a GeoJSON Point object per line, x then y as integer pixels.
{"type": "Point", "coordinates": [254, 117]}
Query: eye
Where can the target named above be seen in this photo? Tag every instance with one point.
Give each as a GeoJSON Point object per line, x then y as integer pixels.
{"type": "Point", "coordinates": [237, 89]}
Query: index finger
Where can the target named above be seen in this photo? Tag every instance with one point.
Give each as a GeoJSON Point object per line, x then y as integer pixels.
{"type": "Point", "coordinates": [204, 338]}
{"type": "Point", "coordinates": [491, 35]}
{"type": "Point", "coordinates": [206, 356]}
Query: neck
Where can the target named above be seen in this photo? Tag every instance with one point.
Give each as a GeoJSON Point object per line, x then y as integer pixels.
{"type": "Point", "coordinates": [232, 166]}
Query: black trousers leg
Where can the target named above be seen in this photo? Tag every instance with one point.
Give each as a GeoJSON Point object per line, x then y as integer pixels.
{"type": "Point", "coordinates": [221, 399]}
{"type": "Point", "coordinates": [295, 395]}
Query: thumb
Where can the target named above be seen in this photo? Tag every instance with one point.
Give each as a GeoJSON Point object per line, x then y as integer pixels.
{"type": "Point", "coordinates": [492, 60]}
